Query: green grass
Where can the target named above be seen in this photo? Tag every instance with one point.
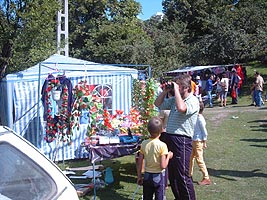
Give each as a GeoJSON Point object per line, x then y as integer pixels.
{"type": "Point", "coordinates": [236, 159]}
{"type": "Point", "coordinates": [236, 156]}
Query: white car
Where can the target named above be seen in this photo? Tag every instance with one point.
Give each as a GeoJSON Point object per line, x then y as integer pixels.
{"type": "Point", "coordinates": [26, 174]}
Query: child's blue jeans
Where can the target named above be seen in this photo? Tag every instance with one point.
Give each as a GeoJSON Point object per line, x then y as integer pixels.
{"type": "Point", "coordinates": [154, 183]}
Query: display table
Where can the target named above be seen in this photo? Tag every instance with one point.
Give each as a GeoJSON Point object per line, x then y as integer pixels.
{"type": "Point", "coordinates": [109, 151]}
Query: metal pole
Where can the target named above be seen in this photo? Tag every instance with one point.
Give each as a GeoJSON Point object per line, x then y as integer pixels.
{"type": "Point", "coordinates": [38, 104]}
{"type": "Point", "coordinates": [63, 14]}
{"type": "Point", "coordinates": [94, 181]}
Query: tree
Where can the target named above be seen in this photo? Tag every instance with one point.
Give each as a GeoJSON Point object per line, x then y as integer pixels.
{"type": "Point", "coordinates": [195, 14]}
{"type": "Point", "coordinates": [237, 35]}
{"type": "Point", "coordinates": [221, 32]}
{"type": "Point", "coordinates": [27, 33]}
{"type": "Point", "coordinates": [114, 34]}
{"type": "Point", "coordinates": [170, 50]}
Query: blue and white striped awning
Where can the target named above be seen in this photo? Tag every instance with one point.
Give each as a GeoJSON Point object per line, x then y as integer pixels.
{"type": "Point", "coordinates": [20, 97]}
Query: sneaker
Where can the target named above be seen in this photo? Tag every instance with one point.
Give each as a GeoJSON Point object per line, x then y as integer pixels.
{"type": "Point", "coordinates": [205, 182]}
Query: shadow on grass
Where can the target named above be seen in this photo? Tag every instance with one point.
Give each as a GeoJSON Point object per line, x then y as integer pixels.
{"type": "Point", "coordinates": [121, 173]}
{"type": "Point", "coordinates": [258, 128]}
{"type": "Point", "coordinates": [234, 173]}
{"type": "Point", "coordinates": [258, 121]}
{"type": "Point", "coordinates": [106, 193]}
{"type": "Point", "coordinates": [262, 146]}
{"type": "Point", "coordinates": [255, 140]}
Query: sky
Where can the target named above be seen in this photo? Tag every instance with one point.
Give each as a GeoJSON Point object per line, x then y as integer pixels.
{"type": "Point", "coordinates": [149, 8]}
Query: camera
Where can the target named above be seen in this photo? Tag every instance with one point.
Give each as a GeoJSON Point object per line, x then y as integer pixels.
{"type": "Point", "coordinates": [169, 86]}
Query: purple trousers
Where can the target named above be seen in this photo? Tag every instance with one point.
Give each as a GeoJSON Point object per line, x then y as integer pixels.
{"type": "Point", "coordinates": [178, 168]}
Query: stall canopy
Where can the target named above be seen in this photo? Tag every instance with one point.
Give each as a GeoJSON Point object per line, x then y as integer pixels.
{"type": "Point", "coordinates": [195, 68]}
{"type": "Point", "coordinates": [22, 109]}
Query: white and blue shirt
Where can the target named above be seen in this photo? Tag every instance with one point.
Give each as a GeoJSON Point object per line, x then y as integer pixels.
{"type": "Point", "coordinates": [181, 123]}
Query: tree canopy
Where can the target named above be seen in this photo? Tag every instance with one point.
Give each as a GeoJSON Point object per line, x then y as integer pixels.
{"type": "Point", "coordinates": [221, 32]}
{"type": "Point", "coordinates": [27, 33]}
{"type": "Point", "coordinates": [113, 35]}
{"type": "Point", "coordinates": [109, 31]}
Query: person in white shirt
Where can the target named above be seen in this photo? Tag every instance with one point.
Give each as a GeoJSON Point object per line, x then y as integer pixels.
{"type": "Point", "coordinates": [198, 92]}
{"type": "Point", "coordinates": [199, 144]}
{"type": "Point", "coordinates": [225, 86]}
{"type": "Point", "coordinates": [258, 85]}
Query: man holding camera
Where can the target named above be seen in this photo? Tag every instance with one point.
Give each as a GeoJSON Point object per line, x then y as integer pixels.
{"type": "Point", "coordinates": [184, 107]}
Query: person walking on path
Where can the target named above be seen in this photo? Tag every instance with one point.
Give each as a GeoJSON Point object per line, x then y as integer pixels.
{"type": "Point", "coordinates": [225, 86]}
{"type": "Point", "coordinates": [218, 88]}
{"type": "Point", "coordinates": [156, 156]}
{"type": "Point", "coordinates": [234, 86]}
{"type": "Point", "coordinates": [258, 88]}
{"type": "Point", "coordinates": [184, 108]}
{"type": "Point", "coordinates": [199, 144]}
{"type": "Point", "coordinates": [209, 88]}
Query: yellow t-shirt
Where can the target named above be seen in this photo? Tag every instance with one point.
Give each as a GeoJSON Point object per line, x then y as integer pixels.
{"type": "Point", "coordinates": [153, 149]}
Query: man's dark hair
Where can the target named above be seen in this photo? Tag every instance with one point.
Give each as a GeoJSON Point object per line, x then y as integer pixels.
{"type": "Point", "coordinates": [184, 80]}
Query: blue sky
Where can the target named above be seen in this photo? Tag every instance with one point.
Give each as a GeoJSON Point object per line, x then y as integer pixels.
{"type": "Point", "coordinates": [149, 8]}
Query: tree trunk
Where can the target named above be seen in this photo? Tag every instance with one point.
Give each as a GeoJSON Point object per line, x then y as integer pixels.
{"type": "Point", "coordinates": [5, 57]}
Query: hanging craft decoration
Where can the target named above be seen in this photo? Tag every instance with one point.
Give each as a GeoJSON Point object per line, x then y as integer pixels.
{"type": "Point", "coordinates": [143, 102]}
{"type": "Point", "coordinates": [57, 98]}
{"type": "Point", "coordinates": [51, 128]}
{"type": "Point", "coordinates": [87, 108]}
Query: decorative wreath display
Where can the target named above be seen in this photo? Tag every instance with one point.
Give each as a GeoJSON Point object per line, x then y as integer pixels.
{"type": "Point", "coordinates": [87, 108]}
{"type": "Point", "coordinates": [57, 120]}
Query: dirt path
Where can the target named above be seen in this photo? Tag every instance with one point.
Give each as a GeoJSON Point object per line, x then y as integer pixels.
{"type": "Point", "coordinates": [217, 114]}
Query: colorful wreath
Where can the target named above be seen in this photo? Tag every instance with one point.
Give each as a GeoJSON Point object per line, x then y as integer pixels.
{"type": "Point", "coordinates": [58, 125]}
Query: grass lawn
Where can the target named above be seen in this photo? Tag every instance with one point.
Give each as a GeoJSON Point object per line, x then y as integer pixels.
{"type": "Point", "coordinates": [236, 157]}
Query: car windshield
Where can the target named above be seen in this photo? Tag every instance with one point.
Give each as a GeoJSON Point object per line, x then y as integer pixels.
{"type": "Point", "coordinates": [21, 178]}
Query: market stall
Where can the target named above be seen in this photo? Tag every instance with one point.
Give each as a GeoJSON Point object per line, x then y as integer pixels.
{"type": "Point", "coordinates": [23, 98]}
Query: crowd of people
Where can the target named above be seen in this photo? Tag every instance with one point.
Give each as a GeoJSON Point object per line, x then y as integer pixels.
{"type": "Point", "coordinates": [227, 83]}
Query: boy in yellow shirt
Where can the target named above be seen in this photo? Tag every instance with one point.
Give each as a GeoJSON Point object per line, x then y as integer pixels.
{"type": "Point", "coordinates": [156, 156]}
